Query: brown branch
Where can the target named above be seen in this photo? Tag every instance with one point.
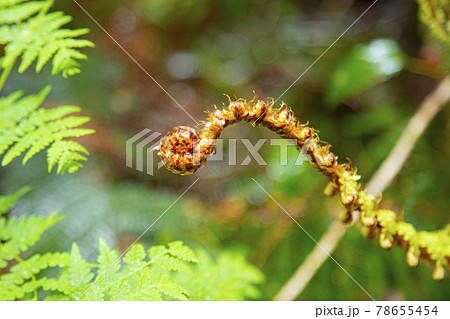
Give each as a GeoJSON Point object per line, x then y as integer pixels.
{"type": "Point", "coordinates": [328, 242]}
{"type": "Point", "coordinates": [415, 128]}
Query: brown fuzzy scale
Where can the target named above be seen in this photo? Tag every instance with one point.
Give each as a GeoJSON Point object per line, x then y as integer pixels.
{"type": "Point", "coordinates": [184, 151]}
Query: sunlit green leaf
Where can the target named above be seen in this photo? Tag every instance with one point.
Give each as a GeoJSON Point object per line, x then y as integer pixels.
{"type": "Point", "coordinates": [362, 68]}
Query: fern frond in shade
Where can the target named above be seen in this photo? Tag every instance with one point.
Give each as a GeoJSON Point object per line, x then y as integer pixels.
{"type": "Point", "coordinates": [27, 128]}
{"type": "Point", "coordinates": [30, 32]}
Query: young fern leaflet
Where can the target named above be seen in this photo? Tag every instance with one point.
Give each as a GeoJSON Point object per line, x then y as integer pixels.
{"type": "Point", "coordinates": [32, 34]}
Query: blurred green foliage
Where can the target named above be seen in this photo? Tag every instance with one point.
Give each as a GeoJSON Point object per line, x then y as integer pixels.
{"type": "Point", "coordinates": [365, 66]}
{"type": "Point", "coordinates": [144, 275]}
{"type": "Point", "coordinates": [199, 50]}
{"type": "Point", "coordinates": [231, 277]}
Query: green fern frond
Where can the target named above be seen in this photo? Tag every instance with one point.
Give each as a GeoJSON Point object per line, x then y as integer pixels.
{"type": "Point", "coordinates": [79, 273]}
{"type": "Point", "coordinates": [6, 202]}
{"type": "Point", "coordinates": [140, 278]}
{"type": "Point", "coordinates": [134, 258]}
{"type": "Point", "coordinates": [173, 257]}
{"type": "Point", "coordinates": [10, 13]}
{"type": "Point", "coordinates": [27, 128]}
{"type": "Point", "coordinates": [67, 155]}
{"type": "Point", "coordinates": [17, 235]}
{"type": "Point", "coordinates": [161, 273]}
{"type": "Point", "coordinates": [35, 35]}
{"type": "Point", "coordinates": [21, 233]}
{"type": "Point", "coordinates": [10, 284]}
{"type": "Point", "coordinates": [149, 279]}
{"type": "Point", "coordinates": [230, 277]}
{"type": "Point", "coordinates": [107, 260]}
{"type": "Point", "coordinates": [37, 263]}
{"type": "Point", "coordinates": [20, 280]}
{"type": "Point", "coordinates": [4, 3]}
{"type": "Point", "coordinates": [162, 284]}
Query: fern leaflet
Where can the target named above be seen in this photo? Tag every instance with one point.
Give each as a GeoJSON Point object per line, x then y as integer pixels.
{"type": "Point", "coordinates": [27, 128]}
{"type": "Point", "coordinates": [21, 233]}
{"type": "Point", "coordinates": [30, 32]}
{"type": "Point", "coordinates": [6, 202]}
{"type": "Point", "coordinates": [230, 277]}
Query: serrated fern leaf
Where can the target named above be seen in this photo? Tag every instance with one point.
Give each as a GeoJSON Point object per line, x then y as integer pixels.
{"type": "Point", "coordinates": [18, 234]}
{"type": "Point", "coordinates": [107, 260]}
{"type": "Point", "coordinates": [156, 285]}
{"type": "Point", "coordinates": [27, 128]}
{"type": "Point", "coordinates": [20, 279]}
{"type": "Point", "coordinates": [179, 250]}
{"type": "Point", "coordinates": [230, 277]}
{"type": "Point", "coordinates": [79, 273]}
{"type": "Point", "coordinates": [37, 263]}
{"type": "Point", "coordinates": [134, 258]}
{"type": "Point", "coordinates": [66, 155]}
{"type": "Point", "coordinates": [171, 288]}
{"type": "Point", "coordinates": [35, 35]}
{"type": "Point", "coordinates": [143, 277]}
{"type": "Point", "coordinates": [4, 3]}
{"type": "Point", "coordinates": [6, 202]}
{"type": "Point", "coordinates": [108, 272]}
{"type": "Point", "coordinates": [19, 12]}
{"type": "Point", "coordinates": [172, 257]}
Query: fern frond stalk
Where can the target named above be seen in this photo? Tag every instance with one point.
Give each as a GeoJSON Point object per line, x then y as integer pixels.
{"type": "Point", "coordinates": [183, 151]}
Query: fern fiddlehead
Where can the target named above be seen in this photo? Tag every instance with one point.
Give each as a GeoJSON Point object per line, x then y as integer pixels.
{"type": "Point", "coordinates": [183, 151]}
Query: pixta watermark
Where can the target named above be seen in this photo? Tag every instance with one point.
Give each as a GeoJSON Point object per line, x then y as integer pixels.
{"type": "Point", "coordinates": [141, 151]}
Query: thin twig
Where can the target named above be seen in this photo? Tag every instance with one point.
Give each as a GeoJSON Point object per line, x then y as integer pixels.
{"type": "Point", "coordinates": [379, 181]}
{"type": "Point", "coordinates": [416, 126]}
{"type": "Point", "coordinates": [315, 259]}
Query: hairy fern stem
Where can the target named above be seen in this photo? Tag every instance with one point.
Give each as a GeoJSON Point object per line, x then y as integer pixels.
{"type": "Point", "coordinates": [183, 150]}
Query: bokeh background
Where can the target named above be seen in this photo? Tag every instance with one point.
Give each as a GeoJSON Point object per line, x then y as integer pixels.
{"type": "Point", "coordinates": [359, 95]}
